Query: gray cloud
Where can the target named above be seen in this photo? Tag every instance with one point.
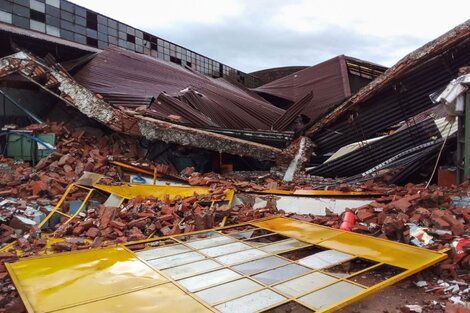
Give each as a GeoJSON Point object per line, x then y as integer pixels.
{"type": "Point", "coordinates": [251, 43]}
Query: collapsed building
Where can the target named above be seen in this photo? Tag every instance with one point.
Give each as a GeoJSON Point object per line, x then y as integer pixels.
{"type": "Point", "coordinates": [225, 191]}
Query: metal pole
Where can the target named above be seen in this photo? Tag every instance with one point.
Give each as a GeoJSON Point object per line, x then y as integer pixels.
{"type": "Point", "coordinates": [467, 136]}
{"type": "Point", "coordinates": [30, 114]}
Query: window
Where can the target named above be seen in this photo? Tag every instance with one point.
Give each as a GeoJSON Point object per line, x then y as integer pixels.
{"type": "Point", "coordinates": [130, 38]}
{"type": "Point", "coordinates": [175, 60]}
{"type": "Point", "coordinates": [91, 42]}
{"type": "Point", "coordinates": [91, 20]}
{"type": "Point", "coordinates": [37, 16]}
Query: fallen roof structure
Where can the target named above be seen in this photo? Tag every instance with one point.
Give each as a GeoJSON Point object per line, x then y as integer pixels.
{"type": "Point", "coordinates": [403, 143]}
{"type": "Point", "coordinates": [199, 100]}
{"type": "Point", "coordinates": [130, 122]}
{"type": "Point", "coordinates": [398, 94]}
{"type": "Point", "coordinates": [331, 82]}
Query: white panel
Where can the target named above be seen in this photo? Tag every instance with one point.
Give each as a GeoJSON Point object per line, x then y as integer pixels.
{"type": "Point", "coordinates": [5, 17]}
{"type": "Point", "coordinates": [283, 245]}
{"type": "Point", "coordinates": [239, 257]}
{"type": "Point", "coordinates": [331, 294]}
{"type": "Point", "coordinates": [175, 260]}
{"type": "Point", "coordinates": [54, 3]}
{"type": "Point", "coordinates": [228, 291]}
{"type": "Point", "coordinates": [251, 303]}
{"type": "Point", "coordinates": [225, 249]}
{"type": "Point", "coordinates": [37, 6]}
{"type": "Point", "coordinates": [37, 26]}
{"type": "Point", "coordinates": [281, 273]}
{"type": "Point", "coordinates": [162, 252]}
{"type": "Point", "coordinates": [211, 242]}
{"type": "Point", "coordinates": [325, 259]}
{"type": "Point", "coordinates": [300, 285]}
{"type": "Point", "coordinates": [260, 265]}
{"type": "Point", "coordinates": [208, 279]}
{"type": "Point", "coordinates": [191, 269]}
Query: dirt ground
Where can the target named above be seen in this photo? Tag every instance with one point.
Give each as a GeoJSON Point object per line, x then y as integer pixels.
{"type": "Point", "coordinates": [392, 298]}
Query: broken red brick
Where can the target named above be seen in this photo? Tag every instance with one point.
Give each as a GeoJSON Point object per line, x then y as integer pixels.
{"type": "Point", "coordinates": [117, 224]}
{"type": "Point", "coordinates": [92, 232]}
{"type": "Point", "coordinates": [364, 214]}
{"type": "Point", "coordinates": [62, 246]}
{"type": "Point", "coordinates": [403, 204]}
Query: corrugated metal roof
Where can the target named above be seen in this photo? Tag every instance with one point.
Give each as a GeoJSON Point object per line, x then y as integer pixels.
{"type": "Point", "coordinates": [116, 72]}
{"type": "Point", "coordinates": [379, 151]}
{"type": "Point", "coordinates": [329, 82]}
{"type": "Point", "coordinates": [325, 80]}
{"type": "Point", "coordinates": [402, 91]}
{"type": "Point", "coordinates": [401, 97]}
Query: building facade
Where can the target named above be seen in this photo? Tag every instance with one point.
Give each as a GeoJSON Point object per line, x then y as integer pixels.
{"type": "Point", "coordinates": [66, 20]}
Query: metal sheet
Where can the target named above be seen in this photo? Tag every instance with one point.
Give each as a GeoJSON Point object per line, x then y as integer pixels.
{"type": "Point", "coordinates": [380, 250]}
{"type": "Point", "coordinates": [130, 191]}
{"type": "Point", "coordinates": [251, 303]}
{"type": "Point", "coordinates": [398, 94]}
{"type": "Point", "coordinates": [374, 153]}
{"type": "Point", "coordinates": [328, 80]}
{"type": "Point", "coordinates": [213, 102]}
{"type": "Point", "coordinates": [63, 280]}
{"type": "Point", "coordinates": [228, 291]}
{"type": "Point", "coordinates": [163, 298]}
{"type": "Point", "coordinates": [131, 122]}
{"type": "Point", "coordinates": [249, 280]}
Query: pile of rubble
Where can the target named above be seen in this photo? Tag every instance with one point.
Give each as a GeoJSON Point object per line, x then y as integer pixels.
{"type": "Point", "coordinates": [141, 218]}
{"type": "Point", "coordinates": [9, 299]}
{"type": "Point", "coordinates": [411, 214]}
{"type": "Point", "coordinates": [74, 152]}
{"type": "Point", "coordinates": [138, 219]}
{"type": "Point", "coordinates": [415, 215]}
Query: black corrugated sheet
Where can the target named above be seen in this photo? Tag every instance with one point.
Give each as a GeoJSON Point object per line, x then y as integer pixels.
{"type": "Point", "coordinates": [375, 153]}
{"type": "Point", "coordinates": [405, 98]}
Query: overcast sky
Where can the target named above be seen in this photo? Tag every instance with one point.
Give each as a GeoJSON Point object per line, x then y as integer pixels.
{"type": "Point", "coordinates": [252, 35]}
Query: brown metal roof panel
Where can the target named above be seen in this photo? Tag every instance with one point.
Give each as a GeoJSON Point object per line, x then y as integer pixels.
{"type": "Point", "coordinates": [295, 86]}
{"type": "Point", "coordinates": [116, 71]}
{"type": "Point", "coordinates": [328, 81]}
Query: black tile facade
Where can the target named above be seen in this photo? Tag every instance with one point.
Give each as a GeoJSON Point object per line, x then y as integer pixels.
{"type": "Point", "coordinates": [75, 23]}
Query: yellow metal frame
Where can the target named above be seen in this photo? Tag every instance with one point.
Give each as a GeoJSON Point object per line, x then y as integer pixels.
{"type": "Point", "coordinates": [55, 210]}
{"type": "Point", "coordinates": [103, 278]}
{"type": "Point", "coordinates": [320, 193]}
{"type": "Point", "coordinates": [125, 191]}
{"type": "Point", "coordinates": [129, 191]}
{"type": "Point", "coordinates": [136, 168]}
{"type": "Point", "coordinates": [382, 252]}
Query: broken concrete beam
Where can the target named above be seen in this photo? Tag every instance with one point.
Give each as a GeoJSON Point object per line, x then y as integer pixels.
{"type": "Point", "coordinates": [301, 149]}
{"type": "Point", "coordinates": [130, 122]}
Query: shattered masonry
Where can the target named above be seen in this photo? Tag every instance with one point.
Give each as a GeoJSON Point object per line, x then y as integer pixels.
{"type": "Point", "coordinates": [325, 184]}
{"type": "Point", "coordinates": [152, 129]}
